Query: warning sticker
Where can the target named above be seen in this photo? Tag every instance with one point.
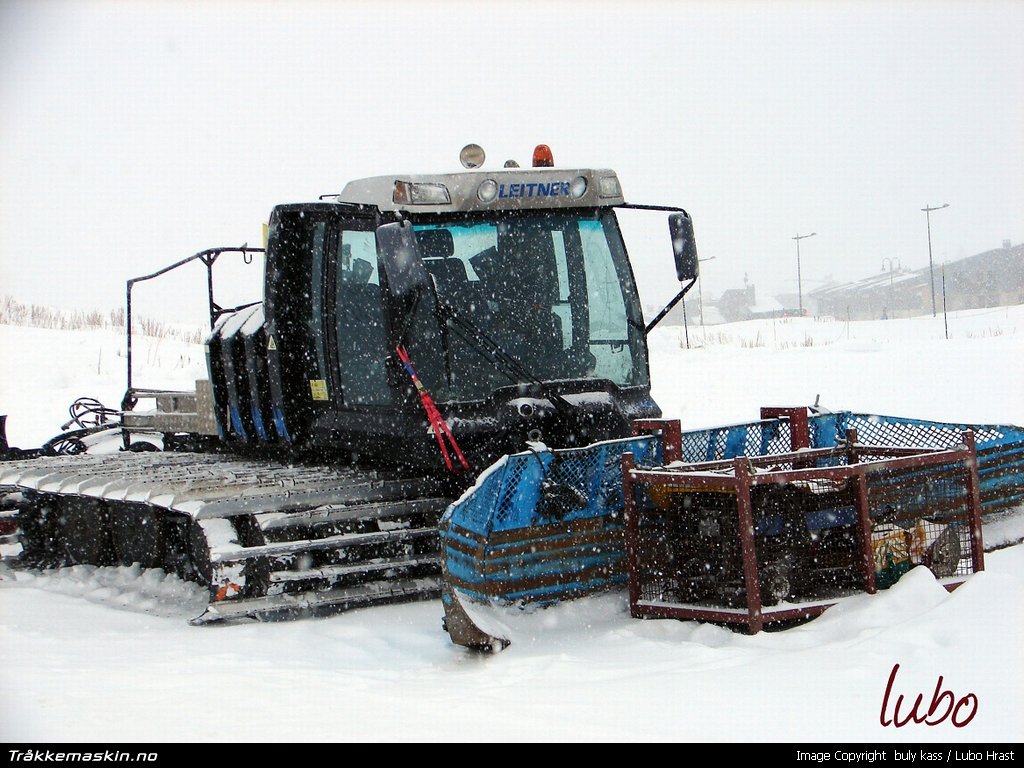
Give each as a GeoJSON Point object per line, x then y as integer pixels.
{"type": "Point", "coordinates": [318, 389]}
{"type": "Point", "coordinates": [271, 344]}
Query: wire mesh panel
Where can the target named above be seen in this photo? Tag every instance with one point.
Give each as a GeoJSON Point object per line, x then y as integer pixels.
{"type": "Point", "coordinates": [889, 430]}
{"type": "Point", "coordinates": [758, 438]}
{"type": "Point", "coordinates": [920, 516]}
{"type": "Point", "coordinates": [1000, 447]}
{"type": "Point", "coordinates": [691, 551]}
{"type": "Point", "coordinates": [805, 543]}
{"type": "Point", "coordinates": [776, 538]}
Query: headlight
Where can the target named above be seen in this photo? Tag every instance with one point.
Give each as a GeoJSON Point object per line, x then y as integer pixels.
{"type": "Point", "coordinates": [413, 193]}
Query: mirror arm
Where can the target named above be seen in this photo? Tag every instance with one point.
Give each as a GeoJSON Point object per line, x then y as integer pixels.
{"type": "Point", "coordinates": [668, 307]}
{"type": "Point", "coordinates": [640, 207]}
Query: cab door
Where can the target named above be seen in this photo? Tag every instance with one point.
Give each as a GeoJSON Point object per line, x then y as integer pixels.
{"type": "Point", "coordinates": [295, 303]}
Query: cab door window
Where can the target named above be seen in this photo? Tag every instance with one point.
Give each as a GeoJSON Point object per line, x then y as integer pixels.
{"type": "Point", "coordinates": [360, 335]}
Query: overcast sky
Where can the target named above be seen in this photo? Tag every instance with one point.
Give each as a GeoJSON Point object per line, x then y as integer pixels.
{"type": "Point", "coordinates": [133, 134]}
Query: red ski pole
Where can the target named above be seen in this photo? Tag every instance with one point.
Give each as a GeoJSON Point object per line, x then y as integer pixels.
{"type": "Point", "coordinates": [437, 422]}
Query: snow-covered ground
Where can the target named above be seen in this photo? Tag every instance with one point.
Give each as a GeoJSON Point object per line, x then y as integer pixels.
{"type": "Point", "coordinates": [97, 655]}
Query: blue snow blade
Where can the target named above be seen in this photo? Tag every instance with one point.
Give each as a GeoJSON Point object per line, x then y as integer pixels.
{"type": "Point", "coordinates": [543, 525]}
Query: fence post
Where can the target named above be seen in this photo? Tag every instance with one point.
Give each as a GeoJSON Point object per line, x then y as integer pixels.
{"type": "Point", "coordinates": [799, 428]}
{"type": "Point", "coordinates": [867, 555]}
{"type": "Point", "coordinates": [671, 436]}
{"type": "Point", "coordinates": [852, 456]}
{"type": "Point", "coordinates": [745, 520]}
{"type": "Point", "coordinates": [974, 503]}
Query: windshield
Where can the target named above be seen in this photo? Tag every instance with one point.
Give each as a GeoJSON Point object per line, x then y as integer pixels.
{"type": "Point", "coordinates": [554, 290]}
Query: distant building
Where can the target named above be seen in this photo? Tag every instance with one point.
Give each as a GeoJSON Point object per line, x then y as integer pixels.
{"type": "Point", "coordinates": [735, 304]}
{"type": "Point", "coordinates": [991, 279]}
{"type": "Point", "coordinates": [743, 304]}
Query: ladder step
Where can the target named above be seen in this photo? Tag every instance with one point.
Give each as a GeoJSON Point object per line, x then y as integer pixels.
{"type": "Point", "coordinates": [290, 605]}
{"type": "Point", "coordinates": [331, 572]}
{"type": "Point", "coordinates": [348, 513]}
{"type": "Point", "coordinates": [328, 542]}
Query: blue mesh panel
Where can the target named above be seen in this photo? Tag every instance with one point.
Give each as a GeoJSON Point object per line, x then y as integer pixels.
{"type": "Point", "coordinates": [1000, 447]}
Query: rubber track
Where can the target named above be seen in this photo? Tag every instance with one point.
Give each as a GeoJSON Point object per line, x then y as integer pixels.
{"type": "Point", "coordinates": [300, 512]}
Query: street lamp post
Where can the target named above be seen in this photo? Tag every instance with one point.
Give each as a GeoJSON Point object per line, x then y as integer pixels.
{"type": "Point", "coordinates": [931, 267]}
{"type": "Point", "coordinates": [799, 279]}
{"type": "Point", "coordinates": [700, 291]}
{"type": "Point", "coordinates": [892, 294]}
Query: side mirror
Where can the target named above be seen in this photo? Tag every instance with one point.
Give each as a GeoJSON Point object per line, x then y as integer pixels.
{"type": "Point", "coordinates": [400, 259]}
{"type": "Point", "coordinates": [684, 248]}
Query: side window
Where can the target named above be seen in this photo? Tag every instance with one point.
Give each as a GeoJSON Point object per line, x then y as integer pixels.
{"type": "Point", "coordinates": [562, 307]}
{"type": "Point", "coordinates": [609, 333]}
{"type": "Point", "coordinates": [360, 334]}
{"type": "Point", "coordinates": [315, 318]}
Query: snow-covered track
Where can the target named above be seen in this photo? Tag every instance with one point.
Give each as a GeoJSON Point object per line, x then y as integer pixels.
{"type": "Point", "coordinates": [269, 539]}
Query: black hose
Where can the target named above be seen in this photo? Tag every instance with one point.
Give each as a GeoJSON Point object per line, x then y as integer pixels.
{"type": "Point", "coordinates": [88, 412]}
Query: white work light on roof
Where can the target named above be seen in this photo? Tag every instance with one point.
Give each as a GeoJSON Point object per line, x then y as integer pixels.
{"type": "Point", "coordinates": [609, 186]}
{"type": "Point", "coordinates": [472, 156]}
{"type": "Point", "coordinates": [487, 191]}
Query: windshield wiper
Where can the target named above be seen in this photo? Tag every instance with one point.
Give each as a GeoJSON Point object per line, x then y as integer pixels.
{"type": "Point", "coordinates": [495, 354]}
